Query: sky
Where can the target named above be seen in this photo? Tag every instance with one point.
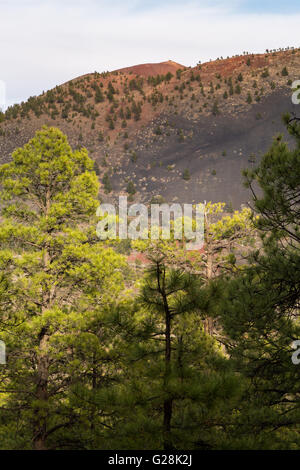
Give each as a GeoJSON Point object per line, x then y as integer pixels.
{"type": "Point", "coordinates": [44, 43]}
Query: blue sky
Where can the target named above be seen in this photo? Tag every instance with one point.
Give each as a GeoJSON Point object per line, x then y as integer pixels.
{"type": "Point", "coordinates": [267, 6]}
{"type": "Point", "coordinates": [249, 6]}
{"type": "Point", "coordinates": [47, 42]}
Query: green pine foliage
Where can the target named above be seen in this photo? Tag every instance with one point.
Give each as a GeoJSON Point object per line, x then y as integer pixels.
{"type": "Point", "coordinates": [259, 309]}
{"type": "Point", "coordinates": [59, 280]}
{"type": "Point", "coordinates": [179, 382]}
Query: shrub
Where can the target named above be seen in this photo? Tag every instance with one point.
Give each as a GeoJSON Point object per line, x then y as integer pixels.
{"type": "Point", "coordinates": [133, 157]}
{"type": "Point", "coordinates": [186, 175]}
{"type": "Point", "coordinates": [131, 188]}
{"type": "Point", "coordinates": [229, 207]}
{"type": "Point", "coordinates": [64, 113]}
{"type": "Point", "coordinates": [157, 199]}
{"type": "Point", "coordinates": [106, 183]}
{"type": "Point", "coordinates": [265, 73]}
{"type": "Point", "coordinates": [99, 98]}
{"type": "Point", "coordinates": [178, 74]}
{"type": "Point", "coordinates": [215, 109]}
{"type": "Point", "coordinates": [97, 169]}
{"type": "Point", "coordinates": [249, 98]}
{"type": "Point", "coordinates": [181, 135]}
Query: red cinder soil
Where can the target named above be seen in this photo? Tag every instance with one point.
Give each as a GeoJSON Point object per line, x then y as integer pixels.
{"type": "Point", "coordinates": [146, 70]}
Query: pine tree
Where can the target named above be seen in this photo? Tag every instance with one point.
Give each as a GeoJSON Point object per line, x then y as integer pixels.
{"type": "Point", "coordinates": [106, 183]}
{"type": "Point", "coordinates": [131, 188]}
{"type": "Point", "coordinates": [59, 279]}
{"type": "Point", "coordinates": [215, 109]}
{"type": "Point", "coordinates": [249, 98]}
{"type": "Point", "coordinates": [186, 175]}
{"type": "Point", "coordinates": [227, 238]}
{"type": "Point", "coordinates": [259, 310]}
{"type": "Point", "coordinates": [99, 97]}
{"type": "Point", "coordinates": [179, 383]}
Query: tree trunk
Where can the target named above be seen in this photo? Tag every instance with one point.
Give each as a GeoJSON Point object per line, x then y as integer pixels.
{"type": "Point", "coordinates": [209, 323]}
{"type": "Point", "coordinates": [40, 422]}
{"type": "Point", "coordinates": [168, 403]}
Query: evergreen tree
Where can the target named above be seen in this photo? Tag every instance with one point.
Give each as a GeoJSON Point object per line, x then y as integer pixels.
{"type": "Point", "coordinates": [58, 279]}
{"type": "Point", "coordinates": [259, 310]}
{"type": "Point", "coordinates": [99, 97]}
{"type": "Point", "coordinates": [215, 109]}
{"type": "Point", "coordinates": [227, 238]}
{"type": "Point", "coordinates": [180, 385]}
{"type": "Point", "coordinates": [106, 183]}
{"type": "Point", "coordinates": [131, 188]}
{"type": "Point", "coordinates": [186, 175]}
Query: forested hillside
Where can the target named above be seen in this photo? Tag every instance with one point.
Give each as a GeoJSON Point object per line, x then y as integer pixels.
{"type": "Point", "coordinates": [181, 133]}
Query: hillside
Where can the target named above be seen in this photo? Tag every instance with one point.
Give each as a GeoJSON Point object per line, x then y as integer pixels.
{"type": "Point", "coordinates": [177, 132]}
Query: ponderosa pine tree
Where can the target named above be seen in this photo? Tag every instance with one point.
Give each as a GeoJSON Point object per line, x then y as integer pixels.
{"type": "Point", "coordinates": [259, 310]}
{"type": "Point", "coordinates": [56, 279]}
{"type": "Point", "coordinates": [178, 382]}
{"type": "Point", "coordinates": [227, 239]}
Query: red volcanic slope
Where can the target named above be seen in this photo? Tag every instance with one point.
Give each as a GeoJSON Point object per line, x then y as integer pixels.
{"type": "Point", "coordinates": [147, 70]}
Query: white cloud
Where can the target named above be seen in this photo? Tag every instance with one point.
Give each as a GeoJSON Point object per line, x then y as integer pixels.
{"type": "Point", "coordinates": [45, 43]}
